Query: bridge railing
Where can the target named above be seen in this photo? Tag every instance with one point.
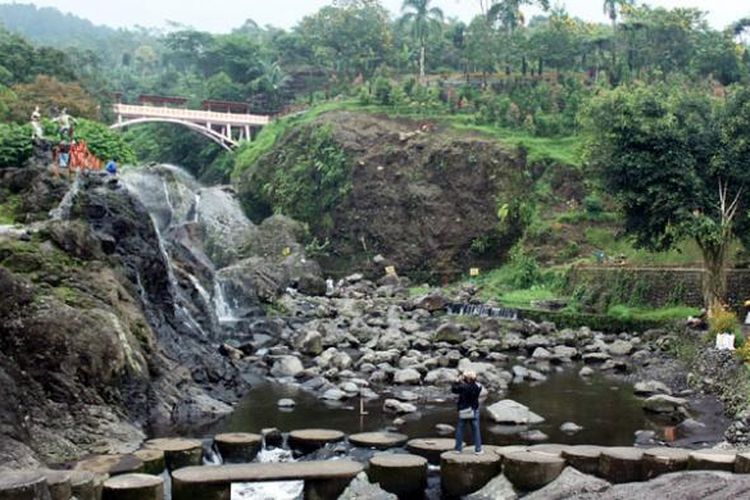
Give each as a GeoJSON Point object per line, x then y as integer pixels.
{"type": "Point", "coordinates": [199, 116]}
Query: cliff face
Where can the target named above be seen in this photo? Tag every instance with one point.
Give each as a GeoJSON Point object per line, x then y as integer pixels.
{"type": "Point", "coordinates": [93, 350]}
{"type": "Point", "coordinates": [425, 198]}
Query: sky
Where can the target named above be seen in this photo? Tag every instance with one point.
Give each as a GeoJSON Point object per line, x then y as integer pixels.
{"type": "Point", "coordinates": [223, 15]}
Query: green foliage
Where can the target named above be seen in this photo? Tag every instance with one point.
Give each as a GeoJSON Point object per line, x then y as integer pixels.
{"type": "Point", "coordinates": [304, 183]}
{"type": "Point", "coordinates": [15, 145]}
{"type": "Point", "coordinates": [723, 321]}
{"type": "Point", "coordinates": [104, 143]}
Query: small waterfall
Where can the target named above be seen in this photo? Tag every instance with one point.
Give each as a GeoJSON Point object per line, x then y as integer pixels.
{"type": "Point", "coordinates": [224, 310]}
{"type": "Point", "coordinates": [276, 490]}
{"type": "Point", "coordinates": [482, 310]}
{"type": "Point", "coordinates": [62, 212]}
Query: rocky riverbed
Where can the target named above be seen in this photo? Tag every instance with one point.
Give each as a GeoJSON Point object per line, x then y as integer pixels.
{"type": "Point", "coordinates": [148, 304]}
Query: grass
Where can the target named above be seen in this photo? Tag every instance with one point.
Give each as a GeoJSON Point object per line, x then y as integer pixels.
{"type": "Point", "coordinates": [8, 209]}
{"type": "Point", "coordinates": [566, 150]}
{"type": "Point", "coordinates": [665, 314]}
{"type": "Point", "coordinates": [686, 253]}
{"type": "Point", "coordinates": [524, 298]}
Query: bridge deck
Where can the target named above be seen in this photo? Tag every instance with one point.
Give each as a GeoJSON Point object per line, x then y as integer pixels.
{"type": "Point", "coordinates": [192, 115]}
{"type": "Point", "coordinates": [247, 473]}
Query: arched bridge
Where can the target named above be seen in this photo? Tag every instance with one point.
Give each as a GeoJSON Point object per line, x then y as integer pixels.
{"type": "Point", "coordinates": [226, 129]}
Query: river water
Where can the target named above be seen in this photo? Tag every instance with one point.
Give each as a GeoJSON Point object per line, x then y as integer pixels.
{"type": "Point", "coordinates": [606, 408]}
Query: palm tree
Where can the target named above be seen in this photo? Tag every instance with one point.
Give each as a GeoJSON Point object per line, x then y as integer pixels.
{"type": "Point", "coordinates": [508, 12]}
{"type": "Point", "coordinates": [423, 20]}
{"type": "Point", "coordinates": [612, 9]}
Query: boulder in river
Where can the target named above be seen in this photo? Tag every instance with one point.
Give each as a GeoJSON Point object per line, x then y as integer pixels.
{"type": "Point", "coordinates": [508, 411]}
{"type": "Point", "coordinates": [396, 406]}
{"type": "Point", "coordinates": [662, 403]}
{"type": "Point", "coordinates": [287, 366]}
{"type": "Point", "coordinates": [407, 376]}
{"type": "Point", "coordinates": [651, 387]}
{"type": "Point", "coordinates": [449, 332]}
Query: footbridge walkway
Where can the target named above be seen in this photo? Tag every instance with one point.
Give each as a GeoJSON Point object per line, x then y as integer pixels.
{"type": "Point", "coordinates": [226, 128]}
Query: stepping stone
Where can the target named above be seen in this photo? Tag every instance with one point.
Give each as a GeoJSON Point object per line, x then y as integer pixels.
{"type": "Point", "coordinates": [712, 460]}
{"type": "Point", "coordinates": [399, 473]}
{"type": "Point", "coordinates": [621, 464]}
{"type": "Point", "coordinates": [467, 472]}
{"type": "Point", "coordinates": [309, 440]}
{"type": "Point", "coordinates": [85, 485]}
{"type": "Point", "coordinates": [531, 470]}
{"type": "Point", "coordinates": [23, 485]}
{"type": "Point", "coordinates": [658, 461]}
{"type": "Point", "coordinates": [58, 483]}
{"type": "Point", "coordinates": [178, 452]}
{"type": "Point", "coordinates": [153, 460]}
{"type": "Point", "coordinates": [134, 487]}
{"type": "Point", "coordinates": [112, 465]}
{"type": "Point", "coordinates": [378, 440]}
{"type": "Point", "coordinates": [552, 449]}
{"type": "Point", "coordinates": [238, 447]}
{"type": "Point", "coordinates": [583, 458]}
{"type": "Point", "coordinates": [323, 479]}
{"type": "Point", "coordinates": [430, 448]}
{"type": "Point", "coordinates": [505, 450]}
{"type": "Point", "coordinates": [742, 464]}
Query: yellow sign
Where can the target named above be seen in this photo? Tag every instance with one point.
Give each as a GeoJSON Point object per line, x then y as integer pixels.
{"type": "Point", "coordinates": [474, 271]}
{"type": "Point", "coordinates": [287, 251]}
{"type": "Point", "coordinates": [391, 270]}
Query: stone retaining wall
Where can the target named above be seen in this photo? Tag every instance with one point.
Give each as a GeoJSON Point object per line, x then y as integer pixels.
{"type": "Point", "coordinates": [657, 287]}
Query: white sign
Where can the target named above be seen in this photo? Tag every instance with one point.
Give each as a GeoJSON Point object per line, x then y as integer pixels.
{"type": "Point", "coordinates": [725, 342]}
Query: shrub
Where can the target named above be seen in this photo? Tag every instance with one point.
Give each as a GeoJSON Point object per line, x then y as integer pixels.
{"type": "Point", "coordinates": [723, 321]}
{"type": "Point", "coordinates": [525, 269]}
{"type": "Point", "coordinates": [104, 143]}
{"type": "Point", "coordinates": [383, 91]}
{"type": "Point", "coordinates": [15, 145]}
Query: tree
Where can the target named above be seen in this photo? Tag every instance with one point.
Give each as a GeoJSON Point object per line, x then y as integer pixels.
{"type": "Point", "coordinates": [423, 20]}
{"type": "Point", "coordinates": [49, 93]}
{"type": "Point", "coordinates": [676, 161]}
{"type": "Point", "coordinates": [509, 14]}
{"type": "Point", "coordinates": [351, 38]}
{"type": "Point", "coordinates": [612, 9]}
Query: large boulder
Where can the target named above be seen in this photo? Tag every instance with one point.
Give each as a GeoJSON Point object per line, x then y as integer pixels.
{"type": "Point", "coordinates": [408, 376]}
{"type": "Point", "coordinates": [449, 332]}
{"type": "Point", "coordinates": [287, 366]}
{"type": "Point", "coordinates": [511, 412]}
{"type": "Point", "coordinates": [570, 484]}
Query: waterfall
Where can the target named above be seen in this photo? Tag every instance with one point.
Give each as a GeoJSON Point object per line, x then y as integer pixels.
{"type": "Point", "coordinates": [275, 490]}
{"type": "Point", "coordinates": [200, 231]}
{"type": "Point", "coordinates": [62, 211]}
{"type": "Point", "coordinates": [482, 310]}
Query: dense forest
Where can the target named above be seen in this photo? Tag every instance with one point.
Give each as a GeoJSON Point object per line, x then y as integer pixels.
{"type": "Point", "coordinates": [654, 86]}
{"type": "Point", "coordinates": [533, 75]}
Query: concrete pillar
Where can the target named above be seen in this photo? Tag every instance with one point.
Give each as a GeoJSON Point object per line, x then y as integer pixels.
{"type": "Point", "coordinates": [248, 137]}
{"type": "Point", "coordinates": [134, 487]}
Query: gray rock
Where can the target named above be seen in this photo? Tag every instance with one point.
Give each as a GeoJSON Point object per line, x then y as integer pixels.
{"type": "Point", "coordinates": [333, 395]}
{"type": "Point", "coordinates": [441, 376]}
{"type": "Point", "coordinates": [565, 352]}
{"type": "Point", "coordinates": [538, 341]}
{"type": "Point", "coordinates": [407, 376]}
{"type": "Point", "coordinates": [620, 348]}
{"type": "Point", "coordinates": [570, 484]}
{"type": "Point", "coordinates": [508, 411]}
{"type": "Point", "coordinates": [449, 332]}
{"type": "Point", "coordinates": [540, 353]}
{"type": "Point", "coordinates": [497, 489]}
{"type": "Point", "coordinates": [570, 428]}
{"type": "Point", "coordinates": [662, 403]}
{"type": "Point", "coordinates": [683, 485]}
{"type": "Point", "coordinates": [444, 429]}
{"type": "Point", "coordinates": [362, 489]}
{"type": "Point", "coordinates": [533, 435]}
{"type": "Point", "coordinates": [651, 387]}
{"type": "Point", "coordinates": [310, 342]}
{"type": "Point", "coordinates": [287, 366]}
{"type": "Point", "coordinates": [286, 403]}
{"type": "Point", "coordinates": [432, 303]}
{"type": "Point", "coordinates": [396, 406]}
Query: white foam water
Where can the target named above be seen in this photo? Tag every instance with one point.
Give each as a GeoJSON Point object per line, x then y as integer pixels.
{"type": "Point", "coordinates": [275, 490]}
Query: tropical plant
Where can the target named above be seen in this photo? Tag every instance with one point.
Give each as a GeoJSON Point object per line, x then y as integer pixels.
{"type": "Point", "coordinates": [423, 20]}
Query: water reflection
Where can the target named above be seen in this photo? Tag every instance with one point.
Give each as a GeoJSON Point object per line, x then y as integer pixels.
{"type": "Point", "coordinates": [607, 410]}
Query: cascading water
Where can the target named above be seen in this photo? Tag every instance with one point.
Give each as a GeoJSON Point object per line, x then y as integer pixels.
{"type": "Point", "coordinates": [482, 310]}
{"type": "Point", "coordinates": [62, 211]}
{"type": "Point", "coordinates": [276, 490]}
{"type": "Point", "coordinates": [198, 229]}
